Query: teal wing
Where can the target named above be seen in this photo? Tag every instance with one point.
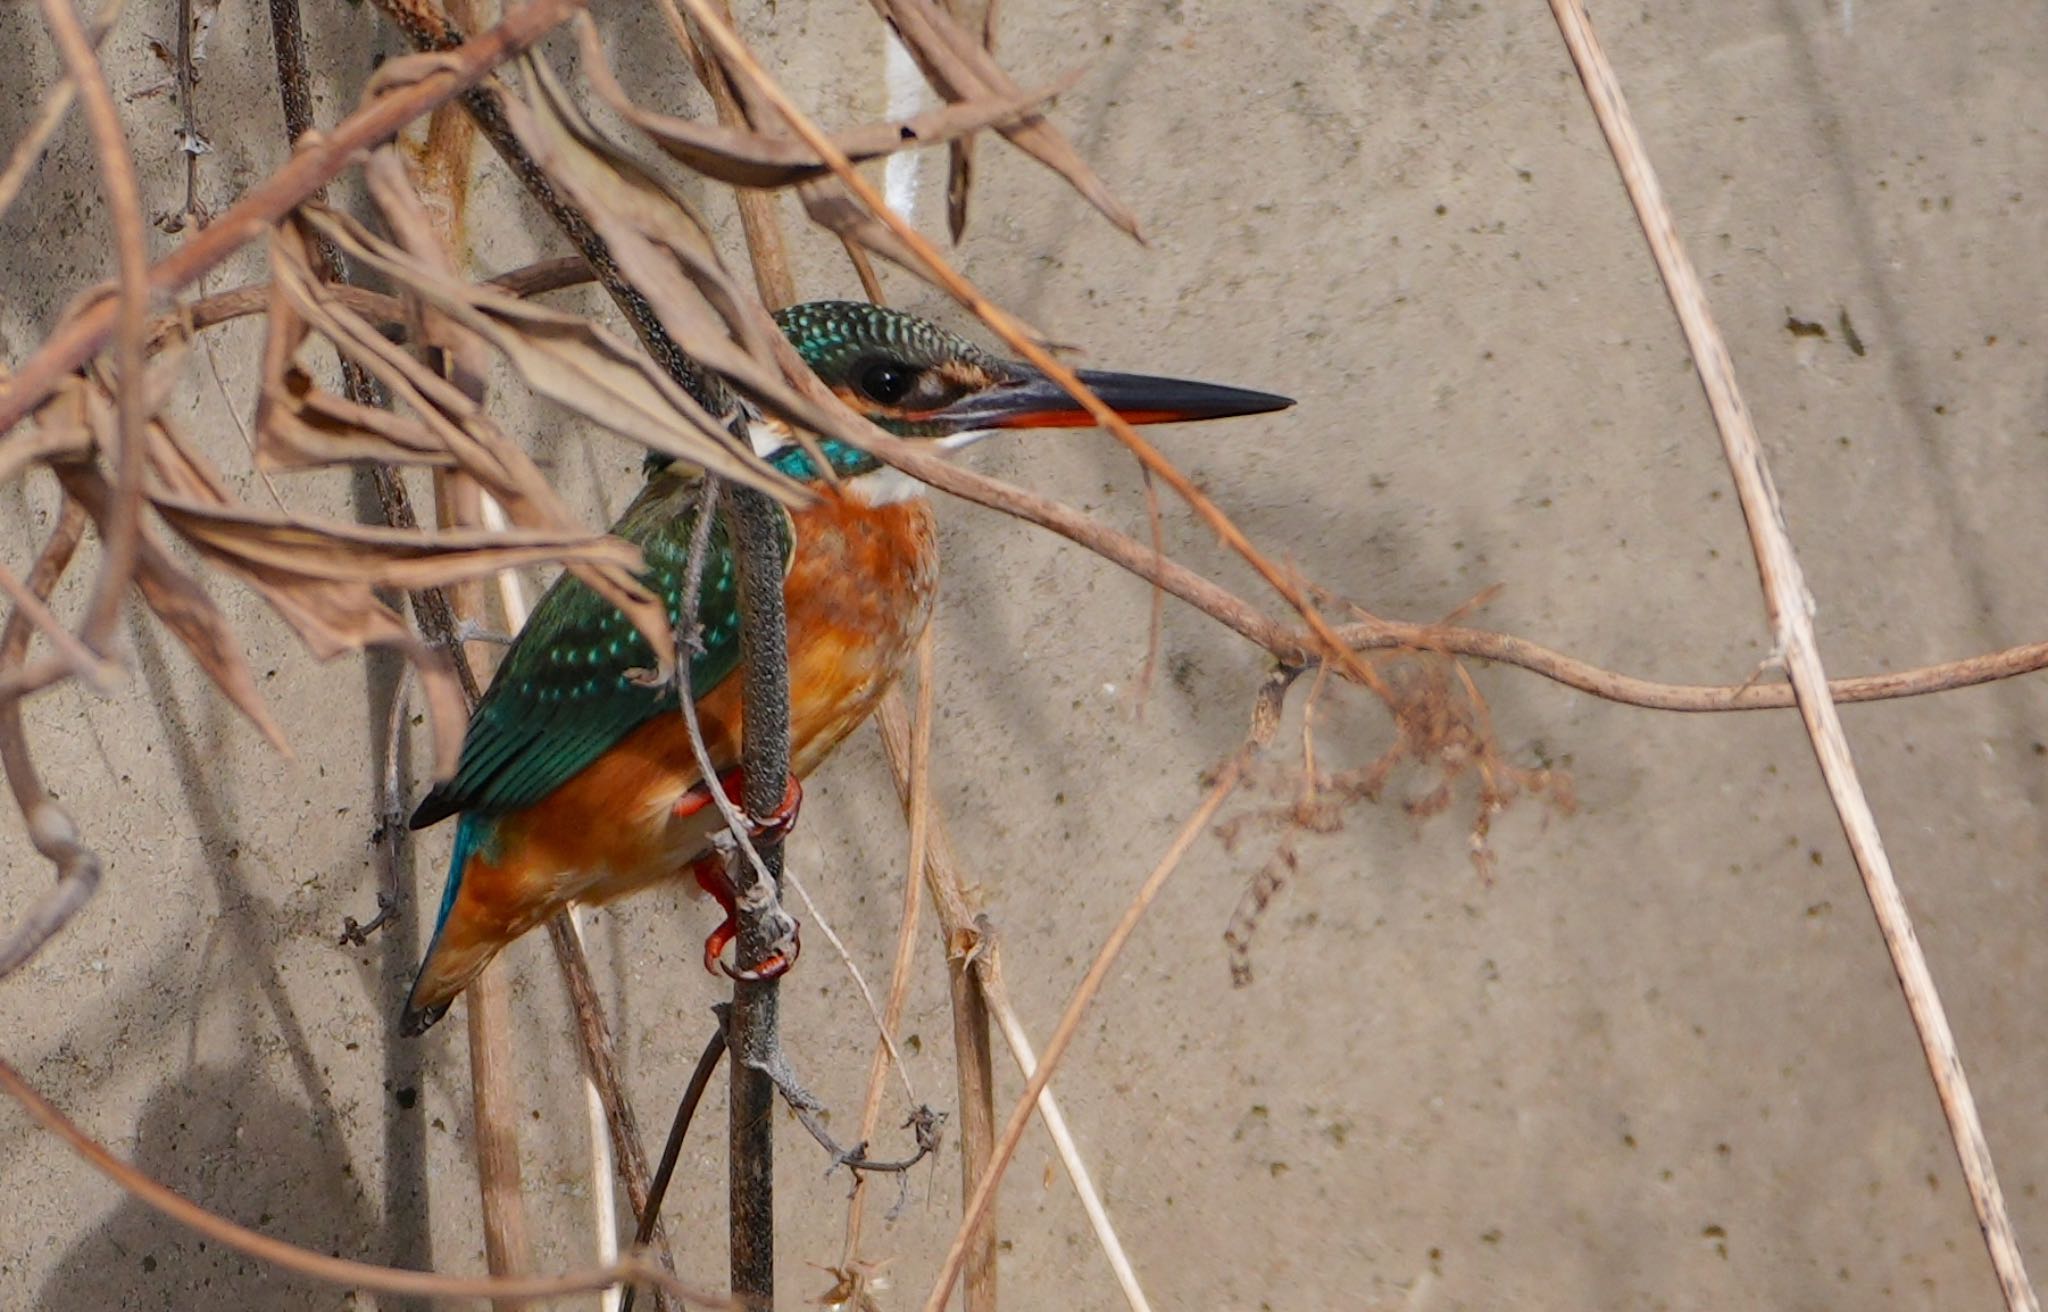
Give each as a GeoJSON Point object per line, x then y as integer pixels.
{"type": "Point", "coordinates": [567, 690]}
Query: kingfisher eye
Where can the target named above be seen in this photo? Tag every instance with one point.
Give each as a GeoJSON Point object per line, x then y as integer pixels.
{"type": "Point", "coordinates": [887, 382]}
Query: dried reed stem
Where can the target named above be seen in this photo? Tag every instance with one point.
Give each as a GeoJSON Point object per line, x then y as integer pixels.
{"type": "Point", "coordinates": [487, 1009]}
{"type": "Point", "coordinates": [487, 1013]}
{"type": "Point", "coordinates": [919, 808]}
{"type": "Point", "coordinates": [983, 1196]}
{"type": "Point", "coordinates": [1788, 607]}
{"type": "Point", "coordinates": [974, 970]}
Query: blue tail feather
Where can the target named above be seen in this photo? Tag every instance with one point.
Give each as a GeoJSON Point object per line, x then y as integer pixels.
{"type": "Point", "coordinates": [473, 833]}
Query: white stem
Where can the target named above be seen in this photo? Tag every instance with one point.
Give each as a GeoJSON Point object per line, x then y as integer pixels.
{"type": "Point", "coordinates": [604, 1197]}
{"type": "Point", "coordinates": [1070, 1156]}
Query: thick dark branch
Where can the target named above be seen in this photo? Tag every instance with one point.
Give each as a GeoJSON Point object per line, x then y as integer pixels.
{"type": "Point", "coordinates": [752, 1033]}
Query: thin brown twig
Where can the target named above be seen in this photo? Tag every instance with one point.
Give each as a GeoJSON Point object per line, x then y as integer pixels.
{"type": "Point", "coordinates": [983, 1197]}
{"type": "Point", "coordinates": [601, 1063]}
{"type": "Point", "coordinates": [547, 275]}
{"type": "Point", "coordinates": [906, 937]}
{"type": "Point", "coordinates": [321, 1266]}
{"type": "Point", "coordinates": [28, 152]}
{"type": "Point", "coordinates": [1789, 607]}
{"type": "Point", "coordinates": [1156, 625]}
{"type": "Point", "coordinates": [122, 536]}
{"type": "Point", "coordinates": [966, 947]}
{"type": "Point", "coordinates": [451, 72]}
{"type": "Point", "coordinates": [739, 57]}
{"type": "Point", "coordinates": [191, 142]}
{"type": "Point", "coordinates": [672, 1151]}
{"type": "Point", "coordinates": [81, 661]}
{"type": "Point", "coordinates": [50, 827]}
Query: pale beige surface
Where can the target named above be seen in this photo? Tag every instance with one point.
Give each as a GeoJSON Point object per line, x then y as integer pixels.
{"type": "Point", "coordinates": [1658, 1062]}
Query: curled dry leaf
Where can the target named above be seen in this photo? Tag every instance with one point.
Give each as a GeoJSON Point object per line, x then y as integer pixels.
{"type": "Point", "coordinates": [749, 158]}
{"type": "Point", "coordinates": [60, 430]}
{"type": "Point", "coordinates": [341, 552]}
{"type": "Point", "coordinates": [833, 208]}
{"type": "Point", "coordinates": [176, 599]}
{"type": "Point", "coordinates": [960, 68]}
{"type": "Point", "coordinates": [572, 362]}
{"type": "Point", "coordinates": [651, 233]}
{"type": "Point", "coordinates": [300, 425]}
{"type": "Point", "coordinates": [450, 417]}
{"type": "Point", "coordinates": [464, 357]}
{"type": "Point", "coordinates": [960, 156]}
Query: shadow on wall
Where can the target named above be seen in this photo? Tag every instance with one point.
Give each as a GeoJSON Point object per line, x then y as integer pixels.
{"type": "Point", "coordinates": [242, 1149]}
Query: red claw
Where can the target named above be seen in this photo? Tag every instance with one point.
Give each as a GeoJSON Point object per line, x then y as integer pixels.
{"type": "Point", "coordinates": [711, 877]}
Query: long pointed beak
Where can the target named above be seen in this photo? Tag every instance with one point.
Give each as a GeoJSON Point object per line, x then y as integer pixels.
{"type": "Point", "coordinates": [1031, 400]}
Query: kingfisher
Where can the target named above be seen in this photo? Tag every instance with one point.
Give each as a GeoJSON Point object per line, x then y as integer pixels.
{"type": "Point", "coordinates": [576, 781]}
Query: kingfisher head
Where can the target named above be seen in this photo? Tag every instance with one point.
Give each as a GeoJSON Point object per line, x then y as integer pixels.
{"type": "Point", "coordinates": [917, 380]}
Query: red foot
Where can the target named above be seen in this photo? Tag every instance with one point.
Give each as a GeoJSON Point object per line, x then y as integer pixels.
{"type": "Point", "coordinates": [775, 824]}
{"type": "Point", "coordinates": [711, 877]}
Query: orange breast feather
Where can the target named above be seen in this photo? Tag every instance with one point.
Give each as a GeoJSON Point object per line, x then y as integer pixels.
{"type": "Point", "coordinates": [859, 593]}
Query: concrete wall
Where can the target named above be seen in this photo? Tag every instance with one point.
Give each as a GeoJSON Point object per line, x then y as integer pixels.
{"type": "Point", "coordinates": [1658, 1061]}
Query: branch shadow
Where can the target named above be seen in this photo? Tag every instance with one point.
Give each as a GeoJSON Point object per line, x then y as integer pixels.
{"type": "Point", "coordinates": [238, 1145]}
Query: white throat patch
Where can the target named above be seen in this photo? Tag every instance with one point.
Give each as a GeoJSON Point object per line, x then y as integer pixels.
{"type": "Point", "coordinates": [888, 485]}
{"type": "Point", "coordinates": [965, 437]}
{"type": "Point", "coordinates": [883, 487]}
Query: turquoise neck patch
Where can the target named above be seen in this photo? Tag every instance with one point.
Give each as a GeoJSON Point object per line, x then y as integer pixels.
{"type": "Point", "coordinates": [846, 461]}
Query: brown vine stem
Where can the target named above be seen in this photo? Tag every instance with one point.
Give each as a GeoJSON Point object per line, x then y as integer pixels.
{"type": "Point", "coordinates": [122, 536]}
{"type": "Point", "coordinates": [1789, 607]}
{"type": "Point", "coordinates": [1014, 334]}
{"type": "Point", "coordinates": [1286, 643]}
{"type": "Point", "coordinates": [50, 827]}
{"type": "Point", "coordinates": [601, 1060]}
{"type": "Point", "coordinates": [321, 1266]}
{"type": "Point", "coordinates": [317, 162]}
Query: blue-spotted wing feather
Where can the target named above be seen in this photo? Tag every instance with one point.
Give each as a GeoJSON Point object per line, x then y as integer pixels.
{"type": "Point", "coordinates": [571, 686]}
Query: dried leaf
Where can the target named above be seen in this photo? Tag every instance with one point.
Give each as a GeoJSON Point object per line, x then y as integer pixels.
{"type": "Point", "coordinates": [458, 423]}
{"type": "Point", "coordinates": [960, 69]}
{"type": "Point", "coordinates": [418, 237]}
{"type": "Point", "coordinates": [572, 362]}
{"type": "Point", "coordinates": [300, 425]}
{"type": "Point", "coordinates": [61, 429]}
{"type": "Point", "coordinates": [748, 158]}
{"type": "Point", "coordinates": [303, 426]}
{"type": "Point", "coordinates": [176, 598]}
{"type": "Point", "coordinates": [833, 208]}
{"type": "Point", "coordinates": [707, 313]}
{"type": "Point", "coordinates": [340, 552]}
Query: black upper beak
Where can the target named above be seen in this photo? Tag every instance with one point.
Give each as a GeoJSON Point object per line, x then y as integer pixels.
{"type": "Point", "coordinates": [1031, 400]}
